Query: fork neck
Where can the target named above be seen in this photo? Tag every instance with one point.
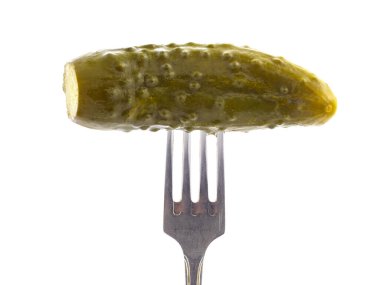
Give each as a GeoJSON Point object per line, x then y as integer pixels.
{"type": "Point", "coordinates": [193, 267]}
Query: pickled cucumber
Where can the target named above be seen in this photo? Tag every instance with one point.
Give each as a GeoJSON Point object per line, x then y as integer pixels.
{"type": "Point", "coordinates": [193, 87]}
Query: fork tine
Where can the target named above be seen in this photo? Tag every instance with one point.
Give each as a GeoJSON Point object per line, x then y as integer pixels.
{"type": "Point", "coordinates": [220, 191]}
{"type": "Point", "coordinates": [168, 199]}
{"type": "Point", "coordinates": [186, 199]}
{"type": "Point", "coordinates": [203, 195]}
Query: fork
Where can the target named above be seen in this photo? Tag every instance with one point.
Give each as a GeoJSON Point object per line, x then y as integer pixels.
{"type": "Point", "coordinates": [194, 225]}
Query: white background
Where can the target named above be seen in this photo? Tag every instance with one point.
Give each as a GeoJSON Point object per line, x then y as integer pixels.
{"type": "Point", "coordinates": [80, 206]}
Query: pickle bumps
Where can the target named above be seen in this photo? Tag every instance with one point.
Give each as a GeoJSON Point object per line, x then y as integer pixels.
{"type": "Point", "coordinates": [193, 87]}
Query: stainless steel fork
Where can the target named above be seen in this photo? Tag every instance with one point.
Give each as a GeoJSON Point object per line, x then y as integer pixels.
{"type": "Point", "coordinates": [194, 225]}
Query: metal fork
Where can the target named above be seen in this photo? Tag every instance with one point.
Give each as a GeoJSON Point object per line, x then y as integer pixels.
{"type": "Point", "coordinates": [194, 225]}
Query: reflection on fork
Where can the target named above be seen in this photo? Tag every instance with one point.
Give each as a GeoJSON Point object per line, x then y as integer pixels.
{"type": "Point", "coordinates": [194, 225]}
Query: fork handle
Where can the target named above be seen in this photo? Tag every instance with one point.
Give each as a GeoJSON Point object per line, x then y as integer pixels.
{"type": "Point", "coordinates": [193, 267]}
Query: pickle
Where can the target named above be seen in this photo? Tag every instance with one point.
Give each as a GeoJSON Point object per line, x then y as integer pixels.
{"type": "Point", "coordinates": [216, 87]}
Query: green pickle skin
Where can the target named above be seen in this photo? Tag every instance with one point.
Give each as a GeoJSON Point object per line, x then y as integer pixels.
{"type": "Point", "coordinates": [217, 87]}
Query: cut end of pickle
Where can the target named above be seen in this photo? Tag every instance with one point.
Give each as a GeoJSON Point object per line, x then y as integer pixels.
{"type": "Point", "coordinates": [70, 87]}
